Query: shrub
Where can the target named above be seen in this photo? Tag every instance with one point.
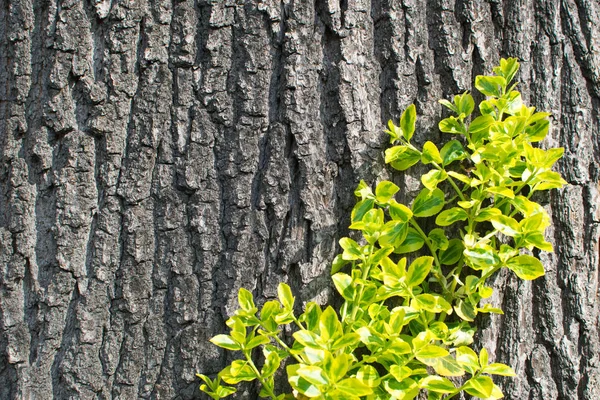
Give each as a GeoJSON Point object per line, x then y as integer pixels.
{"type": "Point", "coordinates": [407, 326]}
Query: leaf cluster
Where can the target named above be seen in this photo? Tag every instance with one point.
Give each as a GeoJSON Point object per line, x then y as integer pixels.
{"type": "Point", "coordinates": [405, 325]}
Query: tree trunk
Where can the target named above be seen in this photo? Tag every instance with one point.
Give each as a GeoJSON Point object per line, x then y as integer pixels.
{"type": "Point", "coordinates": [158, 155]}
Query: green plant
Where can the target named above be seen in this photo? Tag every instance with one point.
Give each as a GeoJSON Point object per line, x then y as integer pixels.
{"type": "Point", "coordinates": [406, 327]}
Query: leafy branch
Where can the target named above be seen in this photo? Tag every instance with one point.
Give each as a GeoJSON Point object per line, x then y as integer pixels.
{"type": "Point", "coordinates": [404, 328]}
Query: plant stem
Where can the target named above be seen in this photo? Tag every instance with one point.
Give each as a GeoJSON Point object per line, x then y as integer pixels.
{"type": "Point", "coordinates": [264, 384]}
{"type": "Point", "coordinates": [437, 273]}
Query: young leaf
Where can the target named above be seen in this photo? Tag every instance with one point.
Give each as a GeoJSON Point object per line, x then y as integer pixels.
{"type": "Point", "coordinates": [526, 267]}
{"type": "Point", "coordinates": [385, 190]}
{"type": "Point", "coordinates": [452, 125]}
{"type": "Point", "coordinates": [226, 342]}
{"type": "Point", "coordinates": [285, 296]}
{"type": "Point", "coordinates": [352, 251]}
{"type": "Point", "coordinates": [431, 179]}
{"type": "Point", "coordinates": [430, 154]}
{"type": "Point", "coordinates": [437, 384]}
{"type": "Point", "coordinates": [499, 369]}
{"type": "Point", "coordinates": [407, 122]}
{"type": "Point", "coordinates": [246, 300]}
{"type": "Point", "coordinates": [464, 104]}
{"type": "Point", "coordinates": [480, 386]}
{"type": "Point", "coordinates": [467, 359]}
{"type": "Point", "coordinates": [401, 157]}
{"type": "Point", "coordinates": [490, 85]}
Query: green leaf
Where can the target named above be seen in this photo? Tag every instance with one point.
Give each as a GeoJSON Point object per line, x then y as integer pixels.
{"type": "Point", "coordinates": [488, 308]}
{"type": "Point", "coordinates": [508, 68]}
{"type": "Point", "coordinates": [311, 315]}
{"type": "Point", "coordinates": [428, 203]}
{"type": "Point", "coordinates": [285, 296]}
{"type": "Point", "coordinates": [450, 216]}
{"type": "Point", "coordinates": [431, 351]}
{"type": "Point", "coordinates": [405, 160]}
{"type": "Point", "coordinates": [413, 242]}
{"type": "Point", "coordinates": [338, 263]}
{"type": "Point", "coordinates": [224, 391]}
{"type": "Point", "coordinates": [483, 357]}
{"type": "Point", "coordinates": [329, 325]}
{"type": "Point", "coordinates": [437, 384]}
{"type": "Point", "coordinates": [452, 151]}
{"type": "Point", "coordinates": [438, 239]}
{"type": "Point", "coordinates": [344, 286]}
{"type": "Point", "coordinates": [393, 131]}
{"type": "Point", "coordinates": [514, 103]}
{"type": "Point", "coordinates": [393, 233]}
{"type": "Point", "coordinates": [348, 340]}
{"type": "Point", "coordinates": [526, 267]}
{"type": "Point", "coordinates": [300, 384]}
{"type": "Point", "coordinates": [431, 179]}
{"type": "Point", "coordinates": [238, 371]}
{"type": "Point", "coordinates": [368, 375]}
{"type": "Point", "coordinates": [537, 131]}
{"type": "Point", "coordinates": [432, 303]}
{"type": "Point", "coordinates": [406, 389]}
{"type": "Point", "coordinates": [502, 191]}
{"type": "Point", "coordinates": [306, 338]}
{"type": "Point", "coordinates": [464, 104]}
{"type": "Point", "coordinates": [445, 366]}
{"type": "Point", "coordinates": [313, 374]}
{"type": "Point", "coordinates": [354, 387]}
{"type": "Point", "coordinates": [480, 386]}
{"type": "Point", "coordinates": [499, 369]}
{"type": "Point", "coordinates": [507, 225]}
{"type": "Point", "coordinates": [537, 239]}
{"type": "Point", "coordinates": [490, 85]}
{"type": "Point", "coordinates": [257, 341]}
{"type": "Point", "coordinates": [408, 121]}
{"type": "Point", "coordinates": [385, 190]}
{"type": "Point", "coordinates": [452, 125]}
{"type": "Point", "coordinates": [399, 212]}
{"type": "Point", "coordinates": [467, 359]}
{"type": "Point", "coordinates": [352, 251]}
{"type": "Point", "coordinates": [453, 253]}
{"type": "Point", "coordinates": [449, 105]}
{"type": "Point", "coordinates": [226, 342]}
{"type": "Point", "coordinates": [418, 270]}
{"type": "Point", "coordinates": [480, 126]}
{"type": "Point", "coordinates": [361, 208]}
{"type": "Point", "coordinates": [465, 310]}
{"type": "Point", "coordinates": [430, 154]}
{"type": "Point", "coordinates": [246, 300]}
{"type": "Point", "coordinates": [481, 257]}
{"type": "Point", "coordinates": [487, 214]}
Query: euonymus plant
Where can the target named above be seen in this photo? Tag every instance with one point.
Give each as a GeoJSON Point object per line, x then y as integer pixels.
{"type": "Point", "coordinates": [407, 326]}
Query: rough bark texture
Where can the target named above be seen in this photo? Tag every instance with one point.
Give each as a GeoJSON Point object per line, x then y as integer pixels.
{"type": "Point", "coordinates": [157, 155]}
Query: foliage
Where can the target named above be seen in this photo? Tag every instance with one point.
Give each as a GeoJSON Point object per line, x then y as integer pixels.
{"type": "Point", "coordinates": [407, 326]}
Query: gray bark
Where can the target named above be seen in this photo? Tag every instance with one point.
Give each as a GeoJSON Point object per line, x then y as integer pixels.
{"type": "Point", "coordinates": [157, 155]}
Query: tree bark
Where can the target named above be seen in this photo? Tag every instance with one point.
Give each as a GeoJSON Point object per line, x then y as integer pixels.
{"type": "Point", "coordinates": [158, 155]}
